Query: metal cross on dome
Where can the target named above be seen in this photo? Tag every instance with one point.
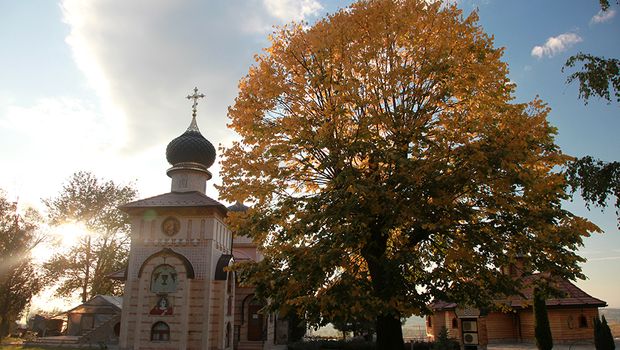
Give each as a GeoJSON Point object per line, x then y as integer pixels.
{"type": "Point", "coordinates": [195, 97]}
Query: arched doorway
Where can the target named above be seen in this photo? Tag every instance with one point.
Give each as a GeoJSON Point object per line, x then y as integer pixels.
{"type": "Point", "coordinates": [117, 329]}
{"type": "Point", "coordinates": [255, 320]}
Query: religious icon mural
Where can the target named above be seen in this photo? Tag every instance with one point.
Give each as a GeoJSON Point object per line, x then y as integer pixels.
{"type": "Point", "coordinates": [163, 306]}
{"type": "Point", "coordinates": [164, 279]}
{"type": "Point", "coordinates": [171, 226]}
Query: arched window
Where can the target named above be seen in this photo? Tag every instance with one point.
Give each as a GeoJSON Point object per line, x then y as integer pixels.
{"type": "Point", "coordinates": [229, 290]}
{"type": "Point", "coordinates": [228, 334]}
{"type": "Point", "coordinates": [230, 282]}
{"type": "Point", "coordinates": [583, 322]}
{"type": "Point", "coordinates": [160, 332]}
{"type": "Point", "coordinates": [164, 279]}
{"type": "Point", "coordinates": [455, 323]}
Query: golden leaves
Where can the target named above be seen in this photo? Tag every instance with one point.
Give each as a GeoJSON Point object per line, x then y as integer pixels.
{"type": "Point", "coordinates": [388, 163]}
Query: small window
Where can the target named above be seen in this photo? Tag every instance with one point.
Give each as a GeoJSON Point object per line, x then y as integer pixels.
{"type": "Point", "coordinates": [160, 332]}
{"type": "Point", "coordinates": [429, 321]}
{"type": "Point", "coordinates": [455, 323]}
{"type": "Point", "coordinates": [583, 322]}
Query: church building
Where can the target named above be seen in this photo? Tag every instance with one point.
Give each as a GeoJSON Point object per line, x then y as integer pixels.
{"type": "Point", "coordinates": [179, 292]}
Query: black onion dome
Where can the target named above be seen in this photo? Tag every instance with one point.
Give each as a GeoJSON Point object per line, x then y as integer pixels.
{"type": "Point", "coordinates": [191, 147]}
{"type": "Point", "coordinates": [238, 207]}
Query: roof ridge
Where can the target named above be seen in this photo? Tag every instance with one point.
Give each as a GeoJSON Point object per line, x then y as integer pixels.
{"type": "Point", "coordinates": [176, 199]}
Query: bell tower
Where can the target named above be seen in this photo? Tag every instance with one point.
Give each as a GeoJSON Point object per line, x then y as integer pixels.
{"type": "Point", "coordinates": [177, 286]}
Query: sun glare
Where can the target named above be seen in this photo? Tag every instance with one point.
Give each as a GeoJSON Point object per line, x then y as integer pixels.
{"type": "Point", "coordinates": [69, 234]}
{"type": "Point", "coordinates": [62, 238]}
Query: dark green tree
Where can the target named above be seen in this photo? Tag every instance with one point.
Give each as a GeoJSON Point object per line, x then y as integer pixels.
{"type": "Point", "coordinates": [443, 342]}
{"type": "Point", "coordinates": [542, 330]}
{"type": "Point", "coordinates": [104, 248]}
{"type": "Point", "coordinates": [19, 280]}
{"type": "Point", "coordinates": [605, 4]}
{"type": "Point", "coordinates": [597, 180]}
{"type": "Point", "coordinates": [607, 335]}
{"type": "Point", "coordinates": [599, 76]}
{"type": "Point", "coordinates": [598, 334]}
{"type": "Point", "coordinates": [603, 339]}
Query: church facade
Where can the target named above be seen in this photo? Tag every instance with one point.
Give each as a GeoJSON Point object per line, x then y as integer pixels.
{"type": "Point", "coordinates": [179, 292]}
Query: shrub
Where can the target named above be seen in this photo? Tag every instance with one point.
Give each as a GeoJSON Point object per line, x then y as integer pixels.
{"type": "Point", "coordinates": [542, 331]}
{"type": "Point", "coordinates": [442, 342]}
{"type": "Point", "coordinates": [603, 339]}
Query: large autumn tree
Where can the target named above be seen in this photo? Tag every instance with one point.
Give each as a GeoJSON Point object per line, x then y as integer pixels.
{"type": "Point", "coordinates": [104, 247]}
{"type": "Point", "coordinates": [19, 279]}
{"type": "Point", "coordinates": [389, 167]}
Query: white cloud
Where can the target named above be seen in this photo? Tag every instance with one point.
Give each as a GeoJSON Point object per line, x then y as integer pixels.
{"type": "Point", "coordinates": [603, 16]}
{"type": "Point", "coordinates": [143, 57]}
{"type": "Point", "coordinates": [49, 140]}
{"type": "Point", "coordinates": [296, 10]}
{"type": "Point", "coordinates": [60, 124]}
{"type": "Point", "coordinates": [556, 44]}
{"type": "Point", "coordinates": [605, 258]}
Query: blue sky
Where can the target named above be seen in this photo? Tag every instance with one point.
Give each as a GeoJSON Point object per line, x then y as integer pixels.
{"type": "Point", "coordinates": [100, 86]}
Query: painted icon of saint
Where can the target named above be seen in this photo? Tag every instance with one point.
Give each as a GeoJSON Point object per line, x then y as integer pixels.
{"type": "Point", "coordinates": [163, 307]}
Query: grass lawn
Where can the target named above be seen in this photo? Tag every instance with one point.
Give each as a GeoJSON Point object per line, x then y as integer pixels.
{"type": "Point", "coordinates": [19, 347]}
{"type": "Point", "coordinates": [3, 346]}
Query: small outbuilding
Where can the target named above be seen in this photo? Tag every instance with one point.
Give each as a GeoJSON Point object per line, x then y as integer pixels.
{"type": "Point", "coordinates": [99, 317]}
{"type": "Point", "coordinates": [571, 317]}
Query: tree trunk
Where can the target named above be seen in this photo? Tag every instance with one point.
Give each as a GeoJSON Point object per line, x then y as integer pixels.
{"type": "Point", "coordinates": [388, 327]}
{"type": "Point", "coordinates": [4, 326]}
{"type": "Point", "coordinates": [97, 281]}
{"type": "Point", "coordinates": [389, 333]}
{"type": "Point", "coordinates": [5, 301]}
{"type": "Point", "coordinates": [87, 272]}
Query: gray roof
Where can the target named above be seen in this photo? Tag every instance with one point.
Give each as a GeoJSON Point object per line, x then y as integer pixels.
{"type": "Point", "coordinates": [114, 300]}
{"type": "Point", "coordinates": [176, 199]}
{"type": "Point", "coordinates": [100, 302]}
{"type": "Point", "coordinates": [571, 296]}
{"type": "Point", "coordinates": [120, 275]}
